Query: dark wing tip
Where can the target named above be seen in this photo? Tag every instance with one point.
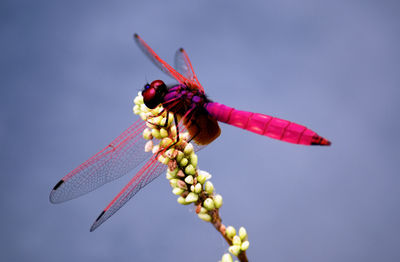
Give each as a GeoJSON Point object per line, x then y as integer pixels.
{"type": "Point", "coordinates": [58, 184]}
{"type": "Point", "coordinates": [94, 226]}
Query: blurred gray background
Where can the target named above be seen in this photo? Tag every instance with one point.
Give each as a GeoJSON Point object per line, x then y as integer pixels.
{"type": "Point", "coordinates": [70, 71]}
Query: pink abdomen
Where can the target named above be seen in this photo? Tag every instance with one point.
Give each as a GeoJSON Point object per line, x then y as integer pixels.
{"type": "Point", "coordinates": [266, 125]}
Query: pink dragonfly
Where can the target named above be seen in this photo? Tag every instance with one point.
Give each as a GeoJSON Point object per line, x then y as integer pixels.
{"type": "Point", "coordinates": [199, 115]}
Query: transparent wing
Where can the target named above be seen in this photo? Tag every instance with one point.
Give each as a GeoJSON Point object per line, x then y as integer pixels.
{"type": "Point", "coordinates": [184, 66]}
{"type": "Point", "coordinates": [151, 170]}
{"type": "Point", "coordinates": [161, 64]}
{"type": "Point", "coordinates": [121, 156]}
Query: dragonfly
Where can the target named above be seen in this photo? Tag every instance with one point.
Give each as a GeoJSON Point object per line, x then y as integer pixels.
{"type": "Point", "coordinates": [190, 107]}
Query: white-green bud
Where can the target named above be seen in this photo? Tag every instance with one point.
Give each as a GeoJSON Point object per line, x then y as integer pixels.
{"type": "Point", "coordinates": [192, 188]}
{"type": "Point", "coordinates": [236, 240]}
{"type": "Point", "coordinates": [155, 149]}
{"type": "Point", "coordinates": [209, 204]}
{"type": "Point", "coordinates": [179, 156]}
{"type": "Point", "coordinates": [189, 179]}
{"type": "Point", "coordinates": [227, 258]}
{"type": "Point", "coordinates": [209, 187]}
{"type": "Point", "coordinates": [198, 188]}
{"type": "Point", "coordinates": [185, 136]}
{"type": "Point", "coordinates": [205, 217]}
{"type": "Point", "coordinates": [148, 146]}
{"type": "Point", "coordinates": [188, 149]}
{"type": "Point", "coordinates": [191, 197]}
{"type": "Point", "coordinates": [230, 232]}
{"type": "Point", "coordinates": [235, 250]}
{"type": "Point", "coordinates": [174, 182]}
{"type": "Point", "coordinates": [169, 176]}
{"type": "Point", "coordinates": [193, 160]}
{"type": "Point", "coordinates": [156, 133]}
{"type": "Point", "coordinates": [166, 142]}
{"type": "Point", "coordinates": [163, 132]}
{"type": "Point", "coordinates": [183, 162]}
{"type": "Point", "coordinates": [164, 160]}
{"type": "Point", "coordinates": [173, 172]}
{"type": "Point", "coordinates": [242, 233]}
{"type": "Point", "coordinates": [138, 100]}
{"type": "Point", "coordinates": [189, 170]}
{"type": "Point", "coordinates": [182, 201]}
{"type": "Point", "coordinates": [177, 191]}
{"type": "Point", "coordinates": [204, 174]}
{"type": "Point", "coordinates": [170, 153]}
{"type": "Point", "coordinates": [143, 116]}
{"type": "Point", "coordinates": [217, 201]}
{"type": "Point", "coordinates": [245, 245]}
{"type": "Point", "coordinates": [136, 110]}
{"type": "Point", "coordinates": [203, 210]}
{"type": "Point", "coordinates": [147, 134]}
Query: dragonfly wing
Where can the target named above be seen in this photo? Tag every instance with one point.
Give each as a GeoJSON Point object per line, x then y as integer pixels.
{"type": "Point", "coordinates": [184, 66]}
{"type": "Point", "coordinates": [151, 170]}
{"type": "Point", "coordinates": [161, 64]}
{"type": "Point", "coordinates": [121, 156]}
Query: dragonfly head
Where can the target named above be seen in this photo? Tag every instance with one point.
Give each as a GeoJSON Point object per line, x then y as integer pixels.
{"type": "Point", "coordinates": [154, 93]}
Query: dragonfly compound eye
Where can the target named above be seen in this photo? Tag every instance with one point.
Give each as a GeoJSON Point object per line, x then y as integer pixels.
{"type": "Point", "coordinates": [153, 95]}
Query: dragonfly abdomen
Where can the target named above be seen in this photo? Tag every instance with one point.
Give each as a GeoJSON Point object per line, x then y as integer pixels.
{"type": "Point", "coordinates": [265, 125]}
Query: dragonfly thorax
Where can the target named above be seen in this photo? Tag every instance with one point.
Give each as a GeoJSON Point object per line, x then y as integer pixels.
{"type": "Point", "coordinates": [154, 93]}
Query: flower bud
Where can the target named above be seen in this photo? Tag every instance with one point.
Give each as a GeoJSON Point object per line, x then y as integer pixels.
{"type": "Point", "coordinates": [174, 182]}
{"type": "Point", "coordinates": [191, 197]}
{"type": "Point", "coordinates": [177, 191]}
{"type": "Point", "coordinates": [143, 116]}
{"type": "Point", "coordinates": [205, 175]}
{"type": "Point", "coordinates": [136, 110]}
{"type": "Point", "coordinates": [180, 174]}
{"type": "Point", "coordinates": [189, 170]}
{"type": "Point", "coordinates": [227, 258]}
{"type": "Point", "coordinates": [173, 172]}
{"type": "Point", "coordinates": [147, 134]}
{"type": "Point", "coordinates": [193, 160]}
{"type": "Point", "coordinates": [189, 179]}
{"type": "Point", "coordinates": [198, 188]}
{"type": "Point", "coordinates": [209, 187]}
{"type": "Point", "coordinates": [235, 250]}
{"type": "Point", "coordinates": [156, 133]}
{"type": "Point", "coordinates": [155, 149]}
{"type": "Point", "coordinates": [172, 131]}
{"type": "Point", "coordinates": [164, 160]}
{"type": "Point", "coordinates": [230, 232]}
{"type": "Point", "coordinates": [138, 100]}
{"type": "Point", "coordinates": [217, 201]}
{"type": "Point", "coordinates": [166, 142]}
{"type": "Point", "coordinates": [202, 210]}
{"type": "Point", "coordinates": [182, 201]}
{"type": "Point", "coordinates": [236, 240]}
{"type": "Point", "coordinates": [208, 204]}
{"type": "Point", "coordinates": [242, 233]}
{"type": "Point", "coordinates": [181, 184]}
{"type": "Point", "coordinates": [245, 245]}
{"type": "Point", "coordinates": [148, 146]}
{"type": "Point", "coordinates": [163, 132]}
{"type": "Point", "coordinates": [183, 162]}
{"type": "Point", "coordinates": [179, 156]}
{"type": "Point", "coordinates": [192, 188]}
{"type": "Point", "coordinates": [188, 149]}
{"type": "Point", "coordinates": [205, 217]}
{"type": "Point", "coordinates": [169, 176]}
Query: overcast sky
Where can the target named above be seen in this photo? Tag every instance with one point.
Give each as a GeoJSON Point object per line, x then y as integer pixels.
{"type": "Point", "coordinates": [70, 71]}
